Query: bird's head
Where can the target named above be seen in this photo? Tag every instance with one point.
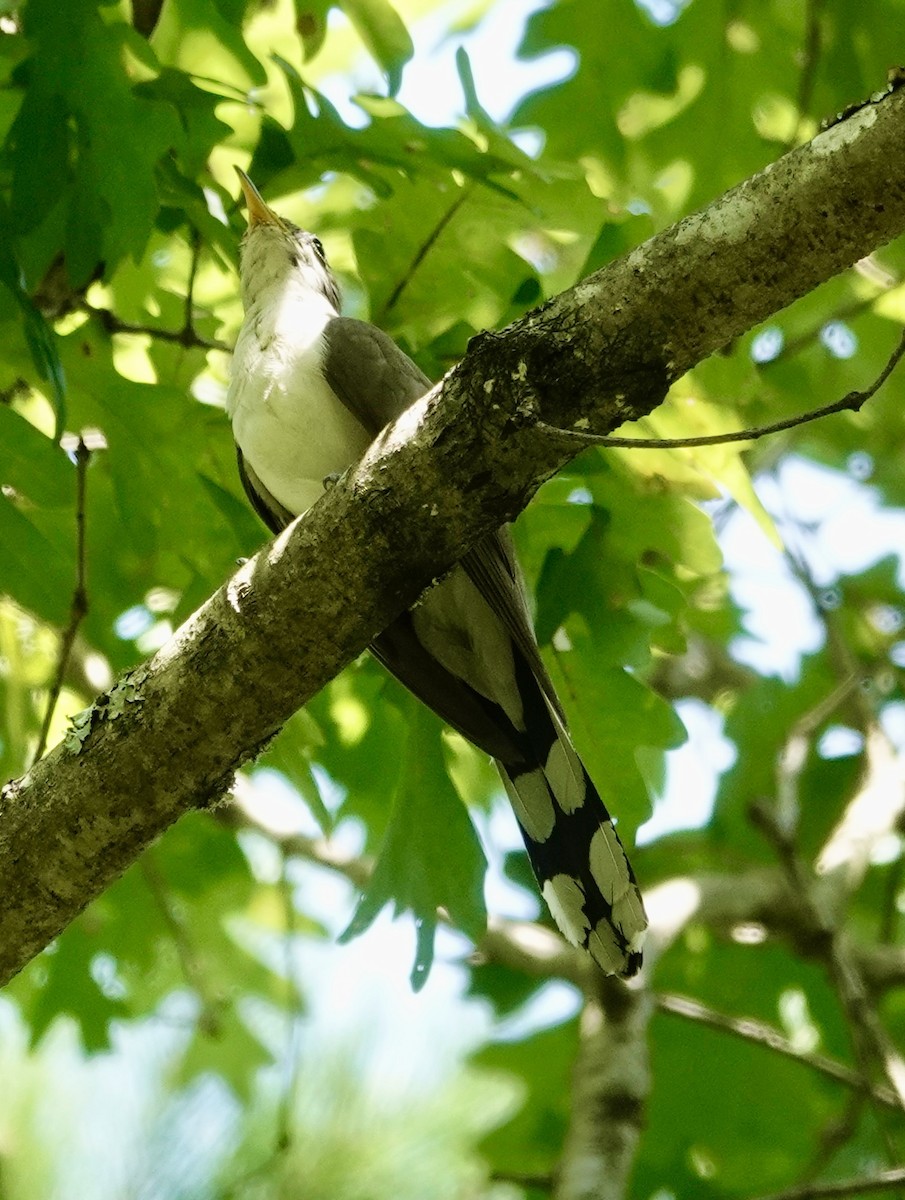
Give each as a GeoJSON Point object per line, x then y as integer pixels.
{"type": "Point", "coordinates": [274, 251]}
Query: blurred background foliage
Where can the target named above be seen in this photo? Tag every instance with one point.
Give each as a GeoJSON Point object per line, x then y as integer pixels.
{"type": "Point", "coordinates": [198, 1032]}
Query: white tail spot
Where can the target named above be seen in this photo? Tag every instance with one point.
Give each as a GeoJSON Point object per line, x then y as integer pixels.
{"type": "Point", "coordinates": [565, 899]}
{"type": "Point", "coordinates": [564, 776]}
{"type": "Point", "coordinates": [533, 804]}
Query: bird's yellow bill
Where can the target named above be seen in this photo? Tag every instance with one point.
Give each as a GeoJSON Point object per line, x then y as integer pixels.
{"type": "Point", "coordinates": [258, 212]}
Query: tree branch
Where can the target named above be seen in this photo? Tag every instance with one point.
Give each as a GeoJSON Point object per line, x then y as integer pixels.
{"type": "Point", "coordinates": [762, 1034]}
{"type": "Point", "coordinates": [541, 953]}
{"type": "Point", "coordinates": [462, 460]}
{"type": "Point", "coordinates": [851, 402]}
{"type": "Point", "coordinates": [187, 336]}
{"type": "Point", "coordinates": [610, 1086]}
{"type": "Point", "coordinates": [882, 1182]}
{"type": "Point", "coordinates": [78, 608]}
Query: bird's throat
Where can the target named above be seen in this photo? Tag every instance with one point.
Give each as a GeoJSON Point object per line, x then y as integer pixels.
{"type": "Point", "coordinates": [290, 426]}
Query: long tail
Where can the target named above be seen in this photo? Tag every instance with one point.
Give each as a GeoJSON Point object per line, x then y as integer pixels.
{"type": "Point", "coordinates": [575, 852]}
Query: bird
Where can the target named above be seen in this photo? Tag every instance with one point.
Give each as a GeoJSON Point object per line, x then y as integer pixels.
{"type": "Point", "coordinates": [309, 391]}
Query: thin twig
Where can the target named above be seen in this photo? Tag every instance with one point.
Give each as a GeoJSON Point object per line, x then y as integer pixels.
{"type": "Point", "coordinates": [870, 1041]}
{"type": "Point", "coordinates": [792, 758]}
{"type": "Point", "coordinates": [881, 1182]}
{"type": "Point", "coordinates": [865, 1020]}
{"type": "Point", "coordinates": [294, 1015]}
{"type": "Point", "coordinates": [538, 1183]}
{"type": "Point", "coordinates": [889, 909]}
{"type": "Point", "coordinates": [845, 312]}
{"type": "Point", "coordinates": [188, 322]}
{"type": "Point", "coordinates": [182, 337]}
{"type": "Point", "coordinates": [851, 402]}
{"type": "Point", "coordinates": [835, 1134]}
{"type": "Point", "coordinates": [762, 1034]}
{"type": "Point", "coordinates": [810, 60]}
{"type": "Point", "coordinates": [189, 960]}
{"type": "Point", "coordinates": [78, 609]}
{"type": "Point", "coordinates": [424, 250]}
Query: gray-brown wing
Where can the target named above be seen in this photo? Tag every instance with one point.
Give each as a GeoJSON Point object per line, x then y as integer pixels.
{"type": "Point", "coordinates": [415, 664]}
{"type": "Point", "coordinates": [377, 381]}
{"type": "Point", "coordinates": [493, 568]}
{"type": "Point", "coordinates": [268, 508]}
{"type": "Point", "coordinates": [373, 378]}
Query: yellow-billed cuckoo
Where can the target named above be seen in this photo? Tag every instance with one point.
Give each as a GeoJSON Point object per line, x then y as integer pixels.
{"type": "Point", "coordinates": [310, 390]}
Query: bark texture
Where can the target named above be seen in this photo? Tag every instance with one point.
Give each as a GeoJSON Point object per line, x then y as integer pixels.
{"type": "Point", "coordinates": [461, 461]}
{"type": "Point", "coordinates": [610, 1085]}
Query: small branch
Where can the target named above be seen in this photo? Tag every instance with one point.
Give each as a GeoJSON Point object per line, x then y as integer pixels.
{"type": "Point", "coordinates": [782, 841]}
{"type": "Point", "coordinates": [835, 1133]}
{"type": "Point", "coordinates": [870, 1040]}
{"type": "Point", "coordinates": [188, 325]}
{"type": "Point", "coordinates": [522, 946]}
{"type": "Point", "coordinates": [611, 1082]}
{"type": "Point", "coordinates": [762, 1034]}
{"type": "Point", "coordinates": [537, 1183]}
{"type": "Point", "coordinates": [318, 850]}
{"type": "Point", "coordinates": [183, 337]}
{"type": "Point", "coordinates": [875, 809]}
{"type": "Point", "coordinates": [792, 758]}
{"type": "Point", "coordinates": [293, 1016]}
{"type": "Point", "coordinates": [78, 609]}
{"type": "Point", "coordinates": [881, 1182]}
{"type": "Point", "coordinates": [846, 312]}
{"type": "Point", "coordinates": [851, 402]}
{"type": "Point", "coordinates": [872, 814]}
{"type": "Point", "coordinates": [869, 1035]}
{"type": "Point", "coordinates": [810, 60]}
{"type": "Point", "coordinates": [188, 956]}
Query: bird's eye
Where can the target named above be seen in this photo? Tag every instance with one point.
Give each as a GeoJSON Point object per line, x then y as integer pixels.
{"type": "Point", "coordinates": [318, 248]}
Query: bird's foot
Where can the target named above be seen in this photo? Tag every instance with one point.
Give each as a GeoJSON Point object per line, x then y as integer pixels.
{"type": "Point", "coordinates": [331, 480]}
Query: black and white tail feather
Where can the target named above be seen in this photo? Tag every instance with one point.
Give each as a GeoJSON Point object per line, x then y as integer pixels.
{"type": "Point", "coordinates": [575, 853]}
{"type": "Point", "coordinates": [581, 868]}
{"type": "Point", "coordinates": [309, 390]}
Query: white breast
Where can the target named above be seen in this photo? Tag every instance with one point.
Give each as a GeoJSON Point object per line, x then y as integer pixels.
{"type": "Point", "coordinates": [290, 426]}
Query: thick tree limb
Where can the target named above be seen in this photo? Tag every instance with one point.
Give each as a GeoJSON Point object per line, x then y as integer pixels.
{"type": "Point", "coordinates": [610, 1086]}
{"type": "Point", "coordinates": [462, 460]}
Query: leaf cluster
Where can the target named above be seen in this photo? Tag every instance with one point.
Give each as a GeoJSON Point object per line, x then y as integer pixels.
{"type": "Point", "coordinates": [119, 227]}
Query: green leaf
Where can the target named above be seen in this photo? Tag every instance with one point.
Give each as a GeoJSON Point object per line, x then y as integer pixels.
{"type": "Point", "coordinates": [247, 528]}
{"type": "Point", "coordinates": [33, 464]}
{"type": "Point", "coordinates": [229, 1050]}
{"type": "Point", "coordinates": [381, 29]}
{"type": "Point", "coordinates": [39, 336]}
{"type": "Point", "coordinates": [612, 715]}
{"type": "Point", "coordinates": [38, 573]}
{"type": "Point", "coordinates": [95, 163]}
{"type": "Point", "coordinates": [69, 989]}
{"type": "Point", "coordinates": [311, 24]}
{"type": "Point", "coordinates": [291, 754]}
{"type": "Point", "coordinates": [207, 34]}
{"type": "Point", "coordinates": [197, 112]}
{"type": "Point", "coordinates": [543, 1063]}
{"type": "Point", "coordinates": [431, 857]}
